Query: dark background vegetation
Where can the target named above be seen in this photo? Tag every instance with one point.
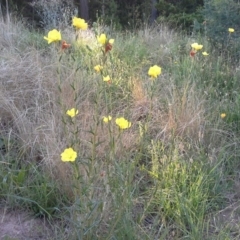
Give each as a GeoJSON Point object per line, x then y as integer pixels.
{"type": "Point", "coordinates": [122, 13]}
{"type": "Point", "coordinates": [209, 17]}
{"type": "Point", "coordinates": [127, 12]}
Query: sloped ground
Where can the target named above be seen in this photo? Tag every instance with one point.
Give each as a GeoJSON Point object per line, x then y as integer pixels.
{"type": "Point", "coordinates": [226, 222]}
{"type": "Point", "coordinates": [18, 225]}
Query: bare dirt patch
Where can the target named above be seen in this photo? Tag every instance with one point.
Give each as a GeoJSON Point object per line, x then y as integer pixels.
{"type": "Point", "coordinates": [229, 219]}
{"type": "Point", "coordinates": [18, 225]}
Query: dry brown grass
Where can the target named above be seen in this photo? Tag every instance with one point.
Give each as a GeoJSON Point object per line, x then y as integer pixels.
{"type": "Point", "coordinates": [32, 109]}
{"type": "Point", "coordinates": [29, 102]}
{"type": "Point", "coordinates": [29, 107]}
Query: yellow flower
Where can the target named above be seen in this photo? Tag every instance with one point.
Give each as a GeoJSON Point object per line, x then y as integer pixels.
{"type": "Point", "coordinates": [196, 46]}
{"type": "Point", "coordinates": [223, 115]}
{"type": "Point", "coordinates": [53, 36]}
{"type": "Point", "coordinates": [98, 68]}
{"type": "Point", "coordinates": [107, 119]}
{"type": "Point", "coordinates": [69, 155]}
{"type": "Point", "coordinates": [72, 112]}
{"type": "Point", "coordinates": [205, 54]}
{"type": "Point", "coordinates": [154, 71]}
{"type": "Point", "coordinates": [231, 30]}
{"type": "Point", "coordinates": [123, 123]}
{"type": "Point", "coordinates": [111, 41]}
{"type": "Point", "coordinates": [193, 45]}
{"type": "Point", "coordinates": [102, 39]}
{"type": "Point", "coordinates": [79, 23]}
{"type": "Point", "coordinates": [106, 79]}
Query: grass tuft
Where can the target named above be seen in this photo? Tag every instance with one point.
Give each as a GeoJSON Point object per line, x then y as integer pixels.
{"type": "Point", "coordinates": [171, 170]}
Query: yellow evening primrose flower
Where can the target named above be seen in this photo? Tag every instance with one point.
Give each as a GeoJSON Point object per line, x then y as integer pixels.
{"type": "Point", "coordinates": [231, 30]}
{"type": "Point", "coordinates": [154, 71]}
{"type": "Point", "coordinates": [106, 79]}
{"type": "Point", "coordinates": [72, 112]}
{"type": "Point", "coordinates": [53, 36]}
{"type": "Point", "coordinates": [79, 23]}
{"type": "Point", "coordinates": [193, 45]}
{"type": "Point", "coordinates": [102, 39]}
{"type": "Point", "coordinates": [69, 155]}
{"type": "Point", "coordinates": [196, 46]}
{"type": "Point", "coordinates": [199, 47]}
{"type": "Point", "coordinates": [223, 115]}
{"type": "Point", "coordinates": [98, 68]}
{"type": "Point", "coordinates": [205, 54]}
{"type": "Point", "coordinates": [123, 123]}
{"type": "Point", "coordinates": [111, 41]}
{"type": "Point", "coordinates": [107, 119]}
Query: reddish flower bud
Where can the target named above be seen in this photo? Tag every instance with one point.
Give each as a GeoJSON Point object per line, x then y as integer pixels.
{"type": "Point", "coordinates": [108, 47]}
{"type": "Point", "coordinates": [65, 45]}
{"type": "Point", "coordinates": [192, 53]}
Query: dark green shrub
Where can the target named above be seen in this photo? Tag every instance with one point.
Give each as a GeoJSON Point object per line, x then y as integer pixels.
{"type": "Point", "coordinates": [180, 13]}
{"type": "Point", "coordinates": [55, 14]}
{"type": "Point", "coordinates": [105, 10]}
{"type": "Point", "coordinates": [42, 13]}
{"type": "Point", "coordinates": [220, 15]}
{"type": "Point", "coordinates": [121, 13]}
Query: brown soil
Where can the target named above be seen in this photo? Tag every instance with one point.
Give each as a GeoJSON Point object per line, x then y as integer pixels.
{"type": "Point", "coordinates": [228, 219]}
{"type": "Point", "coordinates": [18, 225]}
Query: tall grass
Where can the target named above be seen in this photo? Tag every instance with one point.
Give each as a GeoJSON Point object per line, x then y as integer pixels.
{"type": "Point", "coordinates": [165, 177]}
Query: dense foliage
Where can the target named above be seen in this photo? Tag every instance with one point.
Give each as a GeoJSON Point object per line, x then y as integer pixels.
{"type": "Point", "coordinates": [186, 14]}
{"type": "Point", "coordinates": [180, 13]}
{"type": "Point", "coordinates": [120, 13]}
{"type": "Point", "coordinates": [221, 15]}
